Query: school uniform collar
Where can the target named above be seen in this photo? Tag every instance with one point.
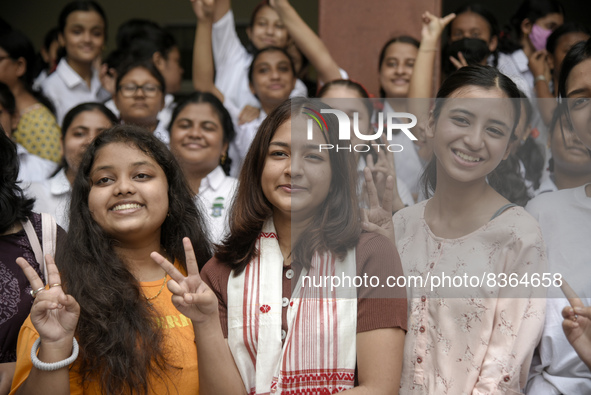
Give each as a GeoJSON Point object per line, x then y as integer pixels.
{"type": "Point", "coordinates": [59, 184]}
{"type": "Point", "coordinates": [213, 180]}
{"type": "Point", "coordinates": [72, 79]}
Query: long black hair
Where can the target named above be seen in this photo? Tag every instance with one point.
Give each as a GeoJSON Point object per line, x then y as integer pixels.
{"type": "Point", "coordinates": [17, 46]}
{"type": "Point", "coordinates": [14, 206]}
{"type": "Point", "coordinates": [120, 346]}
{"type": "Point", "coordinates": [220, 111]}
{"type": "Point", "coordinates": [476, 75]}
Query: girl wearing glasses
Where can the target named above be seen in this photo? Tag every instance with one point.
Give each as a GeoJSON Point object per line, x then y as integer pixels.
{"type": "Point", "coordinates": [564, 217]}
{"type": "Point", "coordinates": [139, 97]}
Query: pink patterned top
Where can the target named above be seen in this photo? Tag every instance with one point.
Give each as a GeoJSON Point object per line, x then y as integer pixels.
{"type": "Point", "coordinates": [471, 340]}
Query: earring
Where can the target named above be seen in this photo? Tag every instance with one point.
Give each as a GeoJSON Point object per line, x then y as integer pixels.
{"type": "Point", "coordinates": [223, 158]}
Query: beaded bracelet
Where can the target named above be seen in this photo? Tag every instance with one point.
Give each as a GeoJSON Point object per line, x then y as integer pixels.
{"type": "Point", "coordinates": [49, 367]}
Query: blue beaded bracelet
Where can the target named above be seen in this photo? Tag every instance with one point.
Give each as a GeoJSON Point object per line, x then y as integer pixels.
{"type": "Point", "coordinates": [48, 367]}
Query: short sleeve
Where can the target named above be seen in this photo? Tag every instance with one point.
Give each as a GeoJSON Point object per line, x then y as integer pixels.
{"type": "Point", "coordinates": [379, 306]}
{"type": "Point", "coordinates": [216, 275]}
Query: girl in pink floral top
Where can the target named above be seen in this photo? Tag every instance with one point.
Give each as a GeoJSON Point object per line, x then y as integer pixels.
{"type": "Point", "coordinates": [470, 334]}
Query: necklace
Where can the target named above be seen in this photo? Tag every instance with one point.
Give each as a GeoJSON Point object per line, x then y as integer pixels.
{"type": "Point", "coordinates": [159, 292]}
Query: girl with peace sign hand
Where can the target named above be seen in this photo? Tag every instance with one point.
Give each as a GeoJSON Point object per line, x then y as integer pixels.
{"type": "Point", "coordinates": [106, 323]}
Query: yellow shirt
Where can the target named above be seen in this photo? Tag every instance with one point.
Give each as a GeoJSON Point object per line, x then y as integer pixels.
{"type": "Point", "coordinates": [39, 133]}
{"type": "Point", "coordinates": [179, 343]}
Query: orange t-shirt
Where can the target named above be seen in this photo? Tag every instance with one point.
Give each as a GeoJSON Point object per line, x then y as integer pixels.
{"type": "Point", "coordinates": [179, 343]}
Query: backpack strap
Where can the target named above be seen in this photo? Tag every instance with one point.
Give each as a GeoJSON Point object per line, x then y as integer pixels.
{"type": "Point", "coordinates": [49, 237]}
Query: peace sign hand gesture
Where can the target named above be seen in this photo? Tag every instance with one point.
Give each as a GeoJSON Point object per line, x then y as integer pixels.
{"type": "Point", "coordinates": [54, 314]}
{"type": "Point", "coordinates": [191, 296]}
{"type": "Point", "coordinates": [378, 218]}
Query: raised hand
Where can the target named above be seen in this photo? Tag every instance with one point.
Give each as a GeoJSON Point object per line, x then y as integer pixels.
{"type": "Point", "coordinates": [54, 314]}
{"type": "Point", "coordinates": [248, 113]}
{"type": "Point", "coordinates": [577, 324]}
{"type": "Point", "coordinates": [203, 9]}
{"type": "Point", "coordinates": [383, 168]}
{"type": "Point", "coordinates": [538, 64]}
{"type": "Point", "coordinates": [378, 218]}
{"type": "Point", "coordinates": [191, 296]}
{"type": "Point", "coordinates": [459, 62]}
{"type": "Point", "coordinates": [433, 26]}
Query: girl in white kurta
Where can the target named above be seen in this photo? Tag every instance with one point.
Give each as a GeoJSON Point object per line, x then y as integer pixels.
{"type": "Point", "coordinates": [469, 339]}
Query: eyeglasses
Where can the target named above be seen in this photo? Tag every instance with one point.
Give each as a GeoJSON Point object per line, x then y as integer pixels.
{"type": "Point", "coordinates": [149, 90]}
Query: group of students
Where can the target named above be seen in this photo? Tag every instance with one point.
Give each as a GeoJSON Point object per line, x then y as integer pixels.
{"type": "Point", "coordinates": [176, 277]}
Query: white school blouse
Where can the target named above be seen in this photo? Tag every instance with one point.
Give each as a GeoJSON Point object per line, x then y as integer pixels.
{"type": "Point", "coordinates": [52, 196]}
{"type": "Point", "coordinates": [232, 62]}
{"type": "Point", "coordinates": [66, 89]}
{"type": "Point", "coordinates": [215, 195]}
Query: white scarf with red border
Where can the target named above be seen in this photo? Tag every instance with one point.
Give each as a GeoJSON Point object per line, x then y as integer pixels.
{"type": "Point", "coordinates": [319, 354]}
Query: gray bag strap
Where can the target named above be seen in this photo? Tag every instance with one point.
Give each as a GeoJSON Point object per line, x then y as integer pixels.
{"type": "Point", "coordinates": [49, 238]}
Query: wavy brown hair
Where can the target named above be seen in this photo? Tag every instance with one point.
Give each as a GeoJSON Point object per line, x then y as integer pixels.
{"type": "Point", "coordinates": [336, 227]}
{"type": "Point", "coordinates": [120, 346]}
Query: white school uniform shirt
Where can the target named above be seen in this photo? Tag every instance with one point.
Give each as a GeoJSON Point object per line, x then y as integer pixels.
{"type": "Point", "coordinates": [164, 116]}
{"type": "Point", "coordinates": [31, 167]}
{"type": "Point", "coordinates": [52, 196]}
{"type": "Point", "coordinates": [409, 166]}
{"type": "Point", "coordinates": [232, 62]}
{"type": "Point", "coordinates": [565, 219]}
{"type": "Point", "coordinates": [39, 80]}
{"type": "Point", "coordinates": [66, 89]}
{"type": "Point", "coordinates": [243, 137]}
{"type": "Point", "coordinates": [215, 193]}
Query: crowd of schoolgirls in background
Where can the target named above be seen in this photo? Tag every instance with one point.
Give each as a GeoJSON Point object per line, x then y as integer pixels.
{"type": "Point", "coordinates": [155, 241]}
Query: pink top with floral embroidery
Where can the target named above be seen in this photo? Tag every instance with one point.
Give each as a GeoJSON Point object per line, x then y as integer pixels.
{"type": "Point", "coordinates": [471, 340]}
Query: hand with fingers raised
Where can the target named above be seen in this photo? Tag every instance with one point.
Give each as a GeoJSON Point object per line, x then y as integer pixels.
{"type": "Point", "coordinates": [383, 168]}
{"type": "Point", "coordinates": [203, 9]}
{"type": "Point", "coordinates": [191, 296]}
{"type": "Point", "coordinates": [577, 328]}
{"type": "Point", "coordinates": [432, 26]}
{"type": "Point", "coordinates": [378, 218]}
{"type": "Point", "coordinates": [54, 314]}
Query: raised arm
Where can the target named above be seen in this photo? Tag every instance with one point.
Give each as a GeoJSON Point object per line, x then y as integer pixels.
{"type": "Point", "coordinates": [421, 82]}
{"type": "Point", "coordinates": [538, 64]}
{"type": "Point", "coordinates": [307, 41]}
{"type": "Point", "coordinates": [203, 68]}
{"type": "Point", "coordinates": [54, 316]}
{"type": "Point", "coordinates": [221, 8]}
{"type": "Point", "coordinates": [218, 373]}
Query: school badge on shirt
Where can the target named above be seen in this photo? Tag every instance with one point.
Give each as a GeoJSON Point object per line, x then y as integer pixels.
{"type": "Point", "coordinates": [217, 207]}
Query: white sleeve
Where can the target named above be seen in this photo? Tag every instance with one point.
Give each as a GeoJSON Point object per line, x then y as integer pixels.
{"type": "Point", "coordinates": [300, 89]}
{"type": "Point", "coordinates": [225, 42]}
